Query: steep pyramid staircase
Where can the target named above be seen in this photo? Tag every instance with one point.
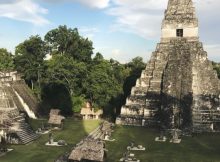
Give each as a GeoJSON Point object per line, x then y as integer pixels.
{"type": "Point", "coordinates": [26, 134]}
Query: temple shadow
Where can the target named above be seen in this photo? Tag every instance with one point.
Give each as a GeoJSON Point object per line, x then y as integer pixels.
{"type": "Point", "coordinates": [199, 114]}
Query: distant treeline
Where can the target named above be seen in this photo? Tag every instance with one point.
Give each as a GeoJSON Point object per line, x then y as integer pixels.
{"type": "Point", "coordinates": [72, 75]}
{"type": "Point", "coordinates": [216, 67]}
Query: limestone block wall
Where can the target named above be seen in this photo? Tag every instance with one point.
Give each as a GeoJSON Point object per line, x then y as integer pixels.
{"type": "Point", "coordinates": [170, 32]}
{"type": "Point", "coordinates": [205, 109]}
{"type": "Point", "coordinates": [176, 88]}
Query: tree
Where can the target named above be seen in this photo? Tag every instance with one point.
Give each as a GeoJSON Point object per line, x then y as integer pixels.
{"type": "Point", "coordinates": [136, 66]}
{"type": "Point", "coordinates": [105, 83]}
{"type": "Point", "coordinates": [98, 57]}
{"type": "Point", "coordinates": [67, 41]}
{"type": "Point", "coordinates": [216, 66]}
{"type": "Point", "coordinates": [6, 60]}
{"type": "Point", "coordinates": [72, 77]}
{"type": "Point", "coordinates": [29, 59]}
{"type": "Point", "coordinates": [78, 102]}
{"type": "Point", "coordinates": [63, 84]}
{"type": "Point", "coordinates": [66, 71]}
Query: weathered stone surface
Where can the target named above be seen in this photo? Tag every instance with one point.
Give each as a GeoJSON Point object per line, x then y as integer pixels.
{"type": "Point", "coordinates": [180, 14]}
{"type": "Point", "coordinates": [178, 88]}
{"type": "Point", "coordinates": [16, 98]}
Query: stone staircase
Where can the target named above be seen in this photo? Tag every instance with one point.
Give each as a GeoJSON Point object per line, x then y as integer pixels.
{"type": "Point", "coordinates": [143, 104]}
{"type": "Point", "coordinates": [10, 91]}
{"type": "Point", "coordinates": [26, 134]}
{"type": "Point", "coordinates": [19, 126]}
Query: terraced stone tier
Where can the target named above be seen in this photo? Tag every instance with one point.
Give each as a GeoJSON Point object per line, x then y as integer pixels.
{"type": "Point", "coordinates": [180, 89]}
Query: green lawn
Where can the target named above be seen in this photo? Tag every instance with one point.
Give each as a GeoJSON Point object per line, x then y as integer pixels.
{"type": "Point", "coordinates": [200, 148]}
{"type": "Point", "coordinates": [73, 132]}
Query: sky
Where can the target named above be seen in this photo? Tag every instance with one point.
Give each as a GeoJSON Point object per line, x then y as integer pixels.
{"type": "Point", "coordinates": [119, 29]}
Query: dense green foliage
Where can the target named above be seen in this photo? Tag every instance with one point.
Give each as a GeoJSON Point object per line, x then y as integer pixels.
{"type": "Point", "coordinates": [66, 71]}
{"type": "Point", "coordinates": [72, 75]}
{"type": "Point", "coordinates": [135, 66]}
{"type": "Point", "coordinates": [216, 67]}
{"type": "Point", "coordinates": [64, 41]}
{"type": "Point", "coordinates": [29, 59]}
{"type": "Point", "coordinates": [6, 60]}
{"type": "Point", "coordinates": [78, 102]}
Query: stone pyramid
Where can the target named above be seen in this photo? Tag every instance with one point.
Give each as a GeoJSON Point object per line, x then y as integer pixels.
{"type": "Point", "coordinates": [16, 100]}
{"type": "Point", "coordinates": [179, 88]}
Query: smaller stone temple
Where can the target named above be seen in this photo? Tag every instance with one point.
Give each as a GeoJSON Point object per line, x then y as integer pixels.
{"type": "Point", "coordinates": [16, 103]}
{"type": "Point", "coordinates": [88, 113]}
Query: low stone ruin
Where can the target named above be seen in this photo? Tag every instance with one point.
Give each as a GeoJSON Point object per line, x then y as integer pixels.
{"type": "Point", "coordinates": [161, 138]}
{"type": "Point", "coordinates": [132, 147]}
{"type": "Point", "coordinates": [175, 136]}
{"type": "Point", "coordinates": [91, 148]}
{"type": "Point", "coordinates": [51, 141]}
{"type": "Point", "coordinates": [129, 157]}
{"type": "Point", "coordinates": [55, 119]}
{"type": "Point", "coordinates": [88, 149]}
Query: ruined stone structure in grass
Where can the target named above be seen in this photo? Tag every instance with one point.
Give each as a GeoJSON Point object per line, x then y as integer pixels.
{"type": "Point", "coordinates": [55, 119]}
{"type": "Point", "coordinates": [179, 88]}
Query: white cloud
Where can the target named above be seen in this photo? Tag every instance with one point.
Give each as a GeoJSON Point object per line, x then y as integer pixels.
{"type": "Point", "coordinates": [142, 4]}
{"type": "Point", "coordinates": [144, 17]}
{"type": "Point", "coordinates": [116, 52]}
{"type": "Point", "coordinates": [95, 3]}
{"type": "Point", "coordinates": [88, 32]}
{"type": "Point", "coordinates": [23, 10]}
{"type": "Point", "coordinates": [213, 51]}
{"type": "Point", "coordinates": [30, 11]}
{"type": "Point", "coordinates": [100, 4]}
{"type": "Point", "coordinates": [205, 5]}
